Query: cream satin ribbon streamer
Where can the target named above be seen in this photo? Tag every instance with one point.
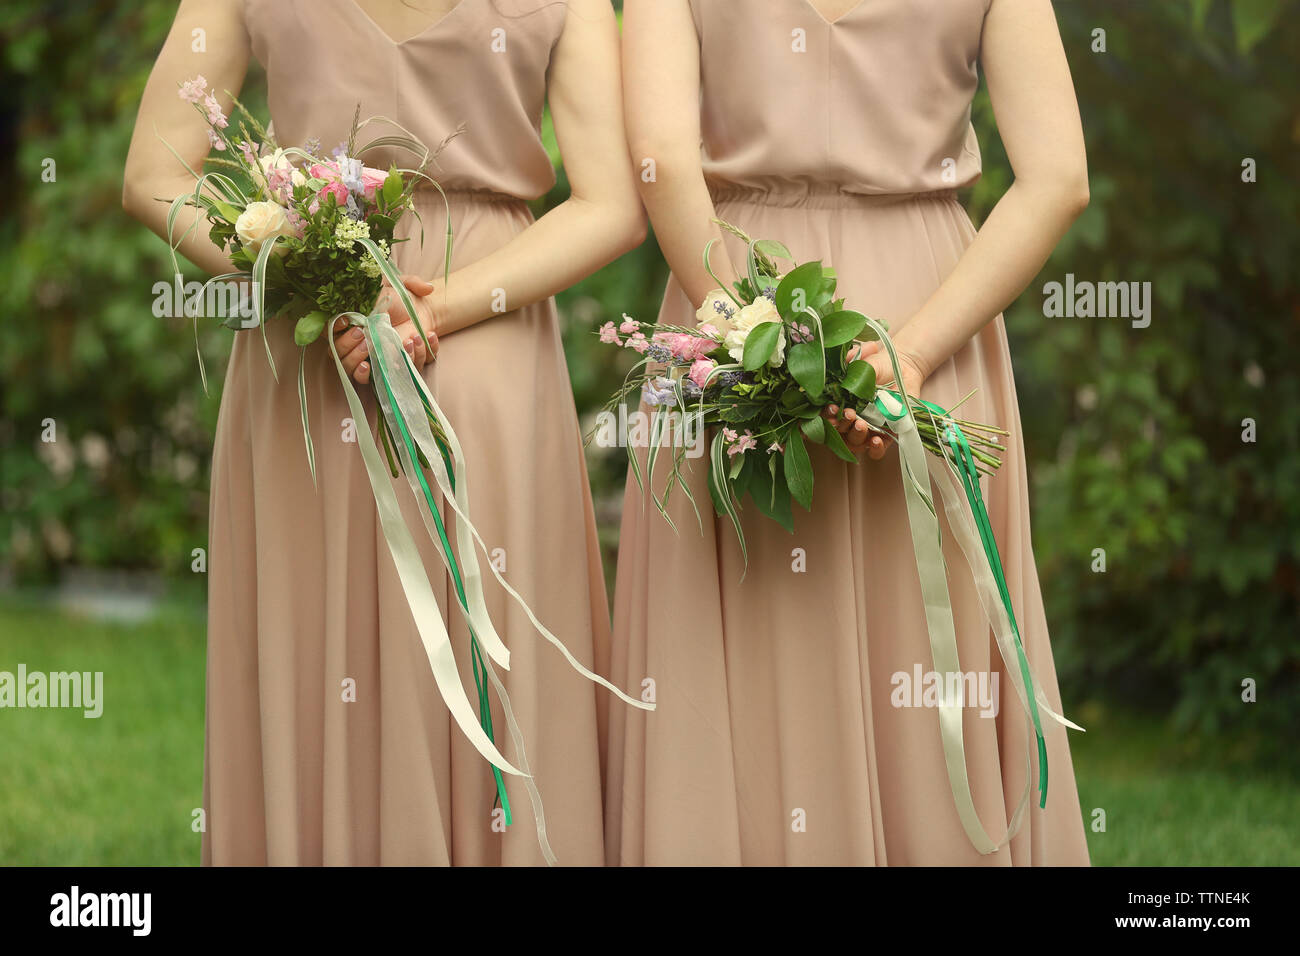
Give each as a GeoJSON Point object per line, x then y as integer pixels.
{"type": "Point", "coordinates": [963, 530]}
{"type": "Point", "coordinates": [924, 524]}
{"type": "Point", "coordinates": [384, 341]}
{"type": "Point", "coordinates": [460, 504]}
{"type": "Point", "coordinates": [381, 335]}
{"type": "Point", "coordinates": [415, 583]}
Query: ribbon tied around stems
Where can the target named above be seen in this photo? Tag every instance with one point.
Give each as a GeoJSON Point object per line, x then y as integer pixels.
{"type": "Point", "coordinates": [970, 525]}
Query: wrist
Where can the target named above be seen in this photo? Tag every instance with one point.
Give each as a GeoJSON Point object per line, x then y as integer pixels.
{"type": "Point", "coordinates": [913, 352]}
{"type": "Point", "coordinates": [439, 310]}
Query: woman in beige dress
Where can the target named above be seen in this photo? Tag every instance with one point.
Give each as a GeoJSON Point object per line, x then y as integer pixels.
{"type": "Point", "coordinates": [841, 129]}
{"type": "Point", "coordinates": [327, 741]}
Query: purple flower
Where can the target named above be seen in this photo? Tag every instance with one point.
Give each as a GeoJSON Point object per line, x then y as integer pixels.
{"type": "Point", "coordinates": [659, 391]}
{"type": "Point", "coordinates": [659, 353]}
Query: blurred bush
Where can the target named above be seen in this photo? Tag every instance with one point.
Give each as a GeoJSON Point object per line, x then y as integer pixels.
{"type": "Point", "coordinates": [1134, 435]}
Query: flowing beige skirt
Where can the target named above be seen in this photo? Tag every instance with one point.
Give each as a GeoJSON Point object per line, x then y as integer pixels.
{"type": "Point", "coordinates": [305, 605]}
{"type": "Point", "coordinates": [775, 740]}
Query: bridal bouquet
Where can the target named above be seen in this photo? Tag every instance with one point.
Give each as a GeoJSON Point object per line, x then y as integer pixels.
{"type": "Point", "coordinates": [312, 236]}
{"type": "Point", "coordinates": [768, 355]}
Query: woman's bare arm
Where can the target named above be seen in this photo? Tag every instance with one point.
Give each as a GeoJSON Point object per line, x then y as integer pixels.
{"type": "Point", "coordinates": [602, 218]}
{"type": "Point", "coordinates": [662, 93]}
{"type": "Point", "coordinates": [1038, 119]}
{"type": "Point", "coordinates": [154, 176]}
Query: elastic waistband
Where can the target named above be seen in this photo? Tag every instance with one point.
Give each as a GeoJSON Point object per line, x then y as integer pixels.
{"type": "Point", "coordinates": [793, 195]}
{"type": "Point", "coordinates": [462, 195]}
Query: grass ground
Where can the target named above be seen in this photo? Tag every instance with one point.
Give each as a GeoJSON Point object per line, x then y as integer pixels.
{"type": "Point", "coordinates": [122, 788]}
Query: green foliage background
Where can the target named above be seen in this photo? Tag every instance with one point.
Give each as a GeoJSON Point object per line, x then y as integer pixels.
{"type": "Point", "coordinates": [1134, 435]}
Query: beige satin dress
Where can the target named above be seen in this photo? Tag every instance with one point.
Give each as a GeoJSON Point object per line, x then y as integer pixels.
{"type": "Point", "coordinates": [303, 595]}
{"type": "Point", "coordinates": [775, 740]}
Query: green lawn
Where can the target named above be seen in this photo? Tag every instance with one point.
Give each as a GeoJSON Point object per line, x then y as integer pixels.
{"type": "Point", "coordinates": [121, 789]}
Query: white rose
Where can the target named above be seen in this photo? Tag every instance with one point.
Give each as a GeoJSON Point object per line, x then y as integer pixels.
{"type": "Point", "coordinates": [259, 222]}
{"type": "Point", "coordinates": [759, 311]}
{"type": "Point", "coordinates": [710, 314]}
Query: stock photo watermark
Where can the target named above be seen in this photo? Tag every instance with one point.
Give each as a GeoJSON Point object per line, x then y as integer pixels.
{"type": "Point", "coordinates": [70, 690]}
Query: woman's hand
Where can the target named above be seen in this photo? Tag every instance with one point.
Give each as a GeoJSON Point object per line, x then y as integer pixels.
{"type": "Point", "coordinates": [854, 429]}
{"type": "Point", "coordinates": [351, 342]}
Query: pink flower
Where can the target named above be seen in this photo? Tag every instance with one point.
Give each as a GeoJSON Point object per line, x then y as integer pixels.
{"type": "Point", "coordinates": [742, 444]}
{"type": "Point", "coordinates": [609, 334]}
{"type": "Point", "coordinates": [710, 330]}
{"type": "Point", "coordinates": [774, 447]}
{"type": "Point", "coordinates": [729, 434]}
{"type": "Point", "coordinates": [280, 181]}
{"type": "Point", "coordinates": [217, 142]}
{"type": "Point", "coordinates": [685, 348]}
{"type": "Point", "coordinates": [335, 189]}
{"type": "Point", "coordinates": [699, 373]}
{"type": "Point", "coordinates": [296, 222]}
{"type": "Point", "coordinates": [638, 343]}
{"type": "Point", "coordinates": [372, 180]}
{"type": "Point", "coordinates": [192, 91]}
{"type": "Point", "coordinates": [215, 116]}
{"type": "Point", "coordinates": [629, 325]}
{"type": "Point", "coordinates": [327, 171]}
{"type": "Point", "coordinates": [249, 152]}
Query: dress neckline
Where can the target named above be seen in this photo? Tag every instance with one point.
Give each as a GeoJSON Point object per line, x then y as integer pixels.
{"type": "Point", "coordinates": [374, 24]}
{"type": "Point", "coordinates": [841, 18]}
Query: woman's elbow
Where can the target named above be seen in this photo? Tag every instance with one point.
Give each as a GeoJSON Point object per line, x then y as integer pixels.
{"type": "Point", "coordinates": [635, 227]}
{"type": "Point", "coordinates": [134, 198]}
{"type": "Point", "coordinates": [1063, 194]}
{"type": "Point", "coordinates": [1076, 195]}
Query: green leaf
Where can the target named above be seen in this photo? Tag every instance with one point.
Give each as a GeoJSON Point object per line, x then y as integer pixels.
{"type": "Point", "coordinates": [1252, 20]}
{"type": "Point", "coordinates": [227, 211]}
{"type": "Point", "coordinates": [760, 345]}
{"type": "Point", "coordinates": [804, 282]}
{"type": "Point", "coordinates": [771, 495]}
{"type": "Point", "coordinates": [309, 328]}
{"type": "Point", "coordinates": [381, 225]}
{"type": "Point", "coordinates": [392, 187]}
{"type": "Point", "coordinates": [815, 429]}
{"type": "Point", "coordinates": [836, 444]}
{"type": "Point", "coordinates": [806, 362]}
{"type": "Point", "coordinates": [841, 328]}
{"type": "Point", "coordinates": [740, 482]}
{"type": "Point", "coordinates": [798, 470]}
{"type": "Point", "coordinates": [860, 379]}
{"type": "Point", "coordinates": [772, 249]}
{"type": "Point", "coordinates": [737, 463]}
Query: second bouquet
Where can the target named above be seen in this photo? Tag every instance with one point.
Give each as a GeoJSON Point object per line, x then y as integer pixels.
{"type": "Point", "coordinates": [768, 356]}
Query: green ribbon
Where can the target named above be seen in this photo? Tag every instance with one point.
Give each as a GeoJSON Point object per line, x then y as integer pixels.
{"type": "Point", "coordinates": [894, 409]}
{"type": "Point", "coordinates": [413, 454]}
